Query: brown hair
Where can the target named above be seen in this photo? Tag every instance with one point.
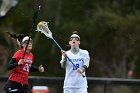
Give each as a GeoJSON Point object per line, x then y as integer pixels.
{"type": "Point", "coordinates": [75, 32]}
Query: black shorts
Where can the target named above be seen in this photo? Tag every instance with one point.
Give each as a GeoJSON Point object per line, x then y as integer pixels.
{"type": "Point", "coordinates": [16, 87]}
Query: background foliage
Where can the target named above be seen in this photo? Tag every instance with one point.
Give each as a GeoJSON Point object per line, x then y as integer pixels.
{"type": "Point", "coordinates": [109, 30]}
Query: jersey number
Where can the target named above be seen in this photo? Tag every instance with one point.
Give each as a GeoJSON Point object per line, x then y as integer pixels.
{"type": "Point", "coordinates": [27, 67]}
{"type": "Point", "coordinates": [77, 66]}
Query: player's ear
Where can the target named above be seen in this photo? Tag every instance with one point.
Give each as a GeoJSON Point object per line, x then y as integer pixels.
{"type": "Point", "coordinates": [79, 42]}
{"type": "Point", "coordinates": [22, 45]}
{"type": "Point", "coordinates": [69, 42]}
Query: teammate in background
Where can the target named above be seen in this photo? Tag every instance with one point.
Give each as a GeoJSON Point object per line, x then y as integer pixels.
{"type": "Point", "coordinates": [18, 79]}
{"type": "Point", "coordinates": [74, 82]}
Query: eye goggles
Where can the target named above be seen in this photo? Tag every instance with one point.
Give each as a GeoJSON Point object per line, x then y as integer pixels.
{"type": "Point", "coordinates": [26, 41]}
{"type": "Point", "coordinates": [76, 38]}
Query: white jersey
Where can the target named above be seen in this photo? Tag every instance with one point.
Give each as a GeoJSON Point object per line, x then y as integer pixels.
{"type": "Point", "coordinates": [73, 79]}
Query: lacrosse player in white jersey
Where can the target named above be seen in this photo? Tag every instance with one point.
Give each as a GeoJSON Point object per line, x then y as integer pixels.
{"type": "Point", "coordinates": [74, 81]}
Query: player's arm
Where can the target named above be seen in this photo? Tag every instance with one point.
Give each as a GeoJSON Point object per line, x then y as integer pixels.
{"type": "Point", "coordinates": [34, 68]}
{"type": "Point", "coordinates": [12, 64]}
{"type": "Point", "coordinates": [86, 60]}
{"type": "Point", "coordinates": [86, 63]}
{"type": "Point", "coordinates": [63, 59]}
{"type": "Point", "coordinates": [63, 62]}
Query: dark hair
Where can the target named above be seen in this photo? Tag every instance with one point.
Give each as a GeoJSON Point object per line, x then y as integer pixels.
{"type": "Point", "coordinates": [18, 37]}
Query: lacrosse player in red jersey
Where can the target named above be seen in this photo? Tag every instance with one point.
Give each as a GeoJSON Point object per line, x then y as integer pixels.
{"type": "Point", "coordinates": [74, 81]}
{"type": "Point", "coordinates": [18, 79]}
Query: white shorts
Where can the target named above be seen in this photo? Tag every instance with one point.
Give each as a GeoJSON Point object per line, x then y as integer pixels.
{"type": "Point", "coordinates": [75, 90]}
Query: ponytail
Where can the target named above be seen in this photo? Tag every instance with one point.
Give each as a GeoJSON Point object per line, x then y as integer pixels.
{"type": "Point", "coordinates": [18, 37]}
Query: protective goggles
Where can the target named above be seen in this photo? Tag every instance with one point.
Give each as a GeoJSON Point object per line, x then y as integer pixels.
{"type": "Point", "coordinates": [76, 38]}
{"type": "Point", "coordinates": [26, 41]}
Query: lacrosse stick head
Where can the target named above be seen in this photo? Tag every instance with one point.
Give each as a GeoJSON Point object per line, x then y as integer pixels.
{"type": "Point", "coordinates": [43, 28]}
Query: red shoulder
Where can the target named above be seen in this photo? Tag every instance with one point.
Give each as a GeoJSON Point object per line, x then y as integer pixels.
{"type": "Point", "coordinates": [31, 54]}
{"type": "Point", "coordinates": [18, 54]}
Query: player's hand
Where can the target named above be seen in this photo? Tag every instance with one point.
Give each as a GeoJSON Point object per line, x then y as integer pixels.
{"type": "Point", "coordinates": [41, 68]}
{"type": "Point", "coordinates": [20, 62]}
{"type": "Point", "coordinates": [63, 53]}
{"type": "Point", "coordinates": [80, 70]}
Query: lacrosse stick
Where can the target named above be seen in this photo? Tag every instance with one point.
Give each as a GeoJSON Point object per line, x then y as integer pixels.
{"type": "Point", "coordinates": [43, 28]}
{"type": "Point", "coordinates": [33, 28]}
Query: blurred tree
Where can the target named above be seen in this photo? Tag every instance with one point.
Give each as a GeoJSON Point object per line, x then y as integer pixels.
{"type": "Point", "coordinates": [109, 30]}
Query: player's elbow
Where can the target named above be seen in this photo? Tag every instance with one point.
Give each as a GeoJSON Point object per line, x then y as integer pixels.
{"type": "Point", "coordinates": [86, 64]}
{"type": "Point", "coordinates": [9, 68]}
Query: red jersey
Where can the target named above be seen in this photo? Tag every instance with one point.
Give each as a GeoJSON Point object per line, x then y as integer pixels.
{"type": "Point", "coordinates": [20, 73]}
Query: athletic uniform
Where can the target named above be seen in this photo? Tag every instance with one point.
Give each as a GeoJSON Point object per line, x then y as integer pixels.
{"type": "Point", "coordinates": [18, 80]}
{"type": "Point", "coordinates": [74, 82]}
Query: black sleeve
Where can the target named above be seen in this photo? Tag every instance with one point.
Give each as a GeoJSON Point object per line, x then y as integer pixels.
{"type": "Point", "coordinates": [12, 64]}
{"type": "Point", "coordinates": [33, 68]}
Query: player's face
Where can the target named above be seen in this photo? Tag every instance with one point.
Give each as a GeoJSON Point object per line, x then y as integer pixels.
{"type": "Point", "coordinates": [74, 42]}
{"type": "Point", "coordinates": [29, 45]}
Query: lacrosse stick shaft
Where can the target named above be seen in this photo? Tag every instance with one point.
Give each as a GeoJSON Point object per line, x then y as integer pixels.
{"type": "Point", "coordinates": [43, 28]}
{"type": "Point", "coordinates": [74, 65]}
{"type": "Point", "coordinates": [26, 46]}
{"type": "Point", "coordinates": [67, 56]}
{"type": "Point", "coordinates": [57, 44]}
{"type": "Point", "coordinates": [61, 50]}
{"type": "Point", "coordinates": [33, 28]}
